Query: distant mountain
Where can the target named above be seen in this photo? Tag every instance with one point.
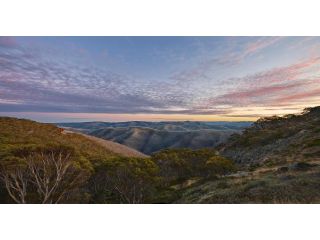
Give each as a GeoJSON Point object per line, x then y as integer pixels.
{"type": "Point", "coordinates": [149, 137]}
{"type": "Point", "coordinates": [166, 126]}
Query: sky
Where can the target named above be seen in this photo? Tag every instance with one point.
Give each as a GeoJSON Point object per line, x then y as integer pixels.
{"type": "Point", "coordinates": [68, 79]}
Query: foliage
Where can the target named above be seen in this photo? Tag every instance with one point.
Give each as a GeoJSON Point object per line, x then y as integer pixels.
{"type": "Point", "coordinates": [50, 174]}
{"type": "Point", "coordinates": [31, 155]}
{"type": "Point", "coordinates": [284, 187]}
{"type": "Point", "coordinates": [25, 144]}
{"type": "Point", "coordinates": [20, 133]}
{"type": "Point", "coordinates": [125, 180]}
{"type": "Point", "coordinates": [276, 140]}
{"type": "Point", "coordinates": [181, 164]}
{"type": "Point", "coordinates": [218, 165]}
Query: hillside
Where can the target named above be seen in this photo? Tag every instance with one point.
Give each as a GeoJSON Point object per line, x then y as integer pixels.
{"type": "Point", "coordinates": [149, 137]}
{"type": "Point", "coordinates": [41, 163]}
{"type": "Point", "coordinates": [15, 133]}
{"type": "Point", "coordinates": [277, 140]}
{"type": "Point", "coordinates": [278, 159]}
{"type": "Point", "coordinates": [293, 183]}
{"type": "Point", "coordinates": [114, 147]}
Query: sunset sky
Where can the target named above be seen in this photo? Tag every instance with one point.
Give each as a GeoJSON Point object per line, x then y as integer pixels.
{"type": "Point", "coordinates": [61, 79]}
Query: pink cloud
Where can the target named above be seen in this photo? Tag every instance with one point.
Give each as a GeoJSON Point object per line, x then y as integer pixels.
{"type": "Point", "coordinates": [280, 75]}
{"type": "Point", "coordinates": [230, 57]}
{"type": "Point", "coordinates": [299, 96]}
{"type": "Point", "coordinates": [263, 88]}
{"type": "Point", "coordinates": [247, 96]}
{"type": "Point", "coordinates": [249, 49]}
{"type": "Point", "coordinates": [260, 44]}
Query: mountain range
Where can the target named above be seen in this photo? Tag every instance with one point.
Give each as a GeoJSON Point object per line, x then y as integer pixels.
{"type": "Point", "coordinates": [150, 137]}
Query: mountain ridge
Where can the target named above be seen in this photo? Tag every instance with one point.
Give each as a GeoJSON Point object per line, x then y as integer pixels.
{"type": "Point", "coordinates": [150, 137]}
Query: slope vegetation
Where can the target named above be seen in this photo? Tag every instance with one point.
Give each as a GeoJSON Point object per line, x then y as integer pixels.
{"type": "Point", "coordinates": [15, 133]}
{"type": "Point", "coordinates": [114, 147]}
{"type": "Point", "coordinates": [278, 159]}
{"type": "Point", "coordinates": [277, 140]}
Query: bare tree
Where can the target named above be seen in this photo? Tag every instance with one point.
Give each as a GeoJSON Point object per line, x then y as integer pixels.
{"type": "Point", "coordinates": [49, 173]}
{"type": "Point", "coordinates": [53, 174]}
{"type": "Point", "coordinates": [15, 181]}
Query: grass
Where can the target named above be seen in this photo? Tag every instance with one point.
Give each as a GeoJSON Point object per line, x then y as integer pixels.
{"type": "Point", "coordinates": [314, 143]}
{"type": "Point", "coordinates": [16, 133]}
{"type": "Point", "coordinates": [270, 187]}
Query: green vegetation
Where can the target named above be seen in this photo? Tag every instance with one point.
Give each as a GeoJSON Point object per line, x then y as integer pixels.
{"type": "Point", "coordinates": [277, 140]}
{"type": "Point", "coordinates": [271, 187]}
{"type": "Point", "coordinates": [50, 174]}
{"type": "Point", "coordinates": [178, 165]}
{"type": "Point", "coordinates": [29, 156]}
{"type": "Point", "coordinates": [125, 180]}
{"type": "Point", "coordinates": [17, 133]}
{"type": "Point", "coordinates": [218, 165]}
{"type": "Point", "coordinates": [314, 143]}
{"type": "Point", "coordinates": [275, 161]}
{"type": "Point", "coordinates": [41, 163]}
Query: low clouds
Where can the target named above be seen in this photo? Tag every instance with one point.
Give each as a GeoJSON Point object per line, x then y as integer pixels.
{"type": "Point", "coordinates": [32, 80]}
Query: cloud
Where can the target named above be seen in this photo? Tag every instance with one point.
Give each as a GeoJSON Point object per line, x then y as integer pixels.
{"type": "Point", "coordinates": [253, 46]}
{"type": "Point", "coordinates": [46, 80]}
{"type": "Point", "coordinates": [258, 45]}
{"type": "Point", "coordinates": [7, 42]}
{"type": "Point", "coordinates": [297, 97]}
{"type": "Point", "coordinates": [233, 54]}
{"type": "Point", "coordinates": [247, 96]}
{"type": "Point", "coordinates": [265, 87]}
{"type": "Point", "coordinates": [48, 83]}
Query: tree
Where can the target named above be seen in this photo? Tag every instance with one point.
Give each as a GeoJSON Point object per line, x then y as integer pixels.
{"type": "Point", "coordinates": [219, 165]}
{"type": "Point", "coordinates": [50, 173]}
{"type": "Point", "coordinates": [182, 164]}
{"type": "Point", "coordinates": [126, 180]}
{"type": "Point", "coordinates": [15, 179]}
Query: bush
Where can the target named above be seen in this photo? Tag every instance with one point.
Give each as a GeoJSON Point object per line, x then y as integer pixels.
{"type": "Point", "coordinates": [219, 165]}
{"type": "Point", "coordinates": [125, 180]}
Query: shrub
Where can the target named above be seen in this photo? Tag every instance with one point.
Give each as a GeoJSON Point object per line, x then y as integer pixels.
{"type": "Point", "coordinates": [219, 165]}
{"type": "Point", "coordinates": [125, 180]}
{"type": "Point", "coordinates": [182, 164]}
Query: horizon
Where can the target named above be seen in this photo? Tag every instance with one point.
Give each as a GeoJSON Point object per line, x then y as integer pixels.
{"type": "Point", "coordinates": [106, 121]}
{"type": "Point", "coordinates": [118, 79]}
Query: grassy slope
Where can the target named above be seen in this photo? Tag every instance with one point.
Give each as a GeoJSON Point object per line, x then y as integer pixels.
{"type": "Point", "coordinates": [270, 186]}
{"type": "Point", "coordinates": [266, 154]}
{"type": "Point", "coordinates": [277, 141]}
{"type": "Point", "coordinates": [19, 132]}
{"type": "Point", "coordinates": [112, 146]}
